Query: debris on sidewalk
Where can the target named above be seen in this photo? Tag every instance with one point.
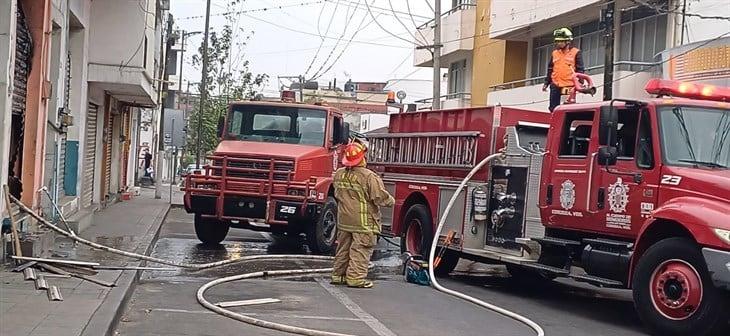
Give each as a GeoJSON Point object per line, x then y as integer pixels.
{"type": "Point", "coordinates": [54, 294]}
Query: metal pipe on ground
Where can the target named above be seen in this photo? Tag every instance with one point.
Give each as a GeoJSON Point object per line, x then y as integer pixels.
{"type": "Point", "coordinates": [46, 223]}
{"type": "Point", "coordinates": [58, 261]}
{"type": "Point", "coordinates": [57, 270]}
{"type": "Point", "coordinates": [41, 283]}
{"type": "Point", "coordinates": [54, 294]}
{"type": "Point", "coordinates": [29, 274]}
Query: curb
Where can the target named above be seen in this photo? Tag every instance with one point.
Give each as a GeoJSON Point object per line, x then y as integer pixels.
{"type": "Point", "coordinates": [106, 317]}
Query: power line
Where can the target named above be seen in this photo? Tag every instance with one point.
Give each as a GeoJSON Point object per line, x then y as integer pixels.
{"type": "Point", "coordinates": [319, 32]}
{"type": "Point", "coordinates": [386, 30]}
{"type": "Point", "coordinates": [359, 29]}
{"type": "Point", "coordinates": [327, 37]}
{"type": "Point", "coordinates": [301, 4]}
{"type": "Point", "coordinates": [381, 10]}
{"type": "Point", "coordinates": [413, 20]}
{"type": "Point", "coordinates": [317, 74]}
{"type": "Point", "coordinates": [659, 9]}
{"type": "Point", "coordinates": [390, 3]}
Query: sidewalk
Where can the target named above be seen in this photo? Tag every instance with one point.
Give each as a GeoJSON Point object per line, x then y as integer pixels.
{"type": "Point", "coordinates": [87, 309]}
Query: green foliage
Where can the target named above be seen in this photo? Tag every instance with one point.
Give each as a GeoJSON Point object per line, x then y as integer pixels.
{"type": "Point", "coordinates": [229, 79]}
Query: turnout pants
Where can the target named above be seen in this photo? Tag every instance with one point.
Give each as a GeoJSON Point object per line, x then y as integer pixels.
{"type": "Point", "coordinates": [353, 256]}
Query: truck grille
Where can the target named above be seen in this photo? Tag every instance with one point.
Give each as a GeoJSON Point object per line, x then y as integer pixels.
{"type": "Point", "coordinates": [250, 168]}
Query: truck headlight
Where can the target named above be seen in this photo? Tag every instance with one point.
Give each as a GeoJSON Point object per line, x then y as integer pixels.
{"type": "Point", "coordinates": [723, 234]}
{"type": "Point", "coordinates": [295, 192]}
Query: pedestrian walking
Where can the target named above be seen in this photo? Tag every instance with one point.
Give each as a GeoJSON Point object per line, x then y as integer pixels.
{"type": "Point", "coordinates": [360, 193]}
{"type": "Point", "coordinates": [566, 60]}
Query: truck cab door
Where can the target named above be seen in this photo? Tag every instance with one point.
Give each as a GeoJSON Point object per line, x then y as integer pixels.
{"type": "Point", "coordinates": [624, 194]}
{"type": "Point", "coordinates": [564, 200]}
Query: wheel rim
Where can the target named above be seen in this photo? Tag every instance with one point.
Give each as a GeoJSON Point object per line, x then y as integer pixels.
{"type": "Point", "coordinates": [330, 223]}
{"type": "Point", "coordinates": [676, 289]}
{"type": "Point", "coordinates": [414, 236]}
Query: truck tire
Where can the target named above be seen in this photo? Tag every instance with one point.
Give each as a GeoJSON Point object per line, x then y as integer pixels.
{"type": "Point", "coordinates": [673, 291]}
{"type": "Point", "coordinates": [322, 234]}
{"type": "Point", "coordinates": [210, 231]}
{"type": "Point", "coordinates": [417, 237]}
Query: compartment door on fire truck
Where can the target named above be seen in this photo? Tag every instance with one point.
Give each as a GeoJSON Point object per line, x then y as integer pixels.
{"type": "Point", "coordinates": [624, 195]}
{"type": "Point", "coordinates": [567, 192]}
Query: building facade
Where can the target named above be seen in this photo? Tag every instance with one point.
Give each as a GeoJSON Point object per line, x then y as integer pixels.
{"type": "Point", "coordinates": [504, 51]}
{"type": "Point", "coordinates": [75, 75]}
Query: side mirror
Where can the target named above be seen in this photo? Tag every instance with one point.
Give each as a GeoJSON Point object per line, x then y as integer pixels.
{"type": "Point", "coordinates": [221, 126]}
{"type": "Point", "coordinates": [608, 126]}
{"type": "Point", "coordinates": [607, 155]}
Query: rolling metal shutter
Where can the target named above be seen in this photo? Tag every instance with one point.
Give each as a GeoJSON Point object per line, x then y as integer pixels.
{"type": "Point", "coordinates": [87, 187]}
{"type": "Point", "coordinates": [108, 154]}
{"type": "Point", "coordinates": [21, 71]}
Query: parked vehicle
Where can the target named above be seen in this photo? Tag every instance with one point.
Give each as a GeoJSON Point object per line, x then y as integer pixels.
{"type": "Point", "coordinates": [624, 194]}
{"type": "Point", "coordinates": [272, 171]}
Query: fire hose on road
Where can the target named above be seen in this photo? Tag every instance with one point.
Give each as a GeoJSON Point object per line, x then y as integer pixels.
{"type": "Point", "coordinates": [279, 326]}
{"type": "Point", "coordinates": [432, 254]}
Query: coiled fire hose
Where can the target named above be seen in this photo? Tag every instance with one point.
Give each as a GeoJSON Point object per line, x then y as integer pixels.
{"type": "Point", "coordinates": [432, 254]}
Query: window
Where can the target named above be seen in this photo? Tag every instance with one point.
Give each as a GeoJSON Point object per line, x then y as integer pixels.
{"type": "Point", "coordinates": [576, 136]}
{"type": "Point", "coordinates": [336, 129]}
{"type": "Point", "coordinates": [628, 122]}
{"type": "Point", "coordinates": [643, 35]}
{"type": "Point", "coordinates": [695, 136]}
{"type": "Point", "coordinates": [262, 123]}
{"type": "Point", "coordinates": [457, 77]}
{"type": "Point", "coordinates": [587, 37]}
{"type": "Point", "coordinates": [644, 147]}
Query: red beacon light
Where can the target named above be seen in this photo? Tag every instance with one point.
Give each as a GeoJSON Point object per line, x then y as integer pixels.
{"type": "Point", "coordinates": [663, 87]}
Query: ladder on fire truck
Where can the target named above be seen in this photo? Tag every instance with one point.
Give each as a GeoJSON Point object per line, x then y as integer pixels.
{"type": "Point", "coordinates": [435, 149]}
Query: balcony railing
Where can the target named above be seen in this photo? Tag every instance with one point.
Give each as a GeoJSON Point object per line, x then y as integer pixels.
{"type": "Point", "coordinates": [463, 5]}
{"type": "Point", "coordinates": [589, 70]}
{"type": "Point", "coordinates": [449, 96]}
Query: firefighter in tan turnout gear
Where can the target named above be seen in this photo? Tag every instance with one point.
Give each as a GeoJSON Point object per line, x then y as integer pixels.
{"type": "Point", "coordinates": [360, 194]}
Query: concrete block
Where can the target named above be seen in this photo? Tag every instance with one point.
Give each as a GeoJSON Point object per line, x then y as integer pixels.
{"type": "Point", "coordinates": [81, 220]}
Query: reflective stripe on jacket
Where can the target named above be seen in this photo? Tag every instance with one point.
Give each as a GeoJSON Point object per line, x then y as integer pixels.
{"type": "Point", "coordinates": [563, 64]}
{"type": "Point", "coordinates": [360, 194]}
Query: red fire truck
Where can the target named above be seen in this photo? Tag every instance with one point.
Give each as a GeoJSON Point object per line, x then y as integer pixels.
{"type": "Point", "coordinates": [628, 194]}
{"type": "Point", "coordinates": [272, 171]}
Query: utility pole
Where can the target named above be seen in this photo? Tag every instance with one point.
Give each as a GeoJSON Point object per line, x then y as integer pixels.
{"type": "Point", "coordinates": [436, 56]}
{"type": "Point", "coordinates": [168, 40]}
{"type": "Point", "coordinates": [203, 84]}
{"type": "Point", "coordinates": [607, 23]}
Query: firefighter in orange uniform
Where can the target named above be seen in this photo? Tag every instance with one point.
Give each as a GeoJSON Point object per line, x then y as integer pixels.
{"type": "Point", "coordinates": [360, 194]}
{"type": "Point", "coordinates": [566, 60]}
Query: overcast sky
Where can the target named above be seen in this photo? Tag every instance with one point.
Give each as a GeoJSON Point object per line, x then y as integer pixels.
{"type": "Point", "coordinates": [285, 40]}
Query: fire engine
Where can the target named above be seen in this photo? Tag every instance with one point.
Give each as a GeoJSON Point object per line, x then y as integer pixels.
{"type": "Point", "coordinates": [272, 171]}
{"type": "Point", "coordinates": [631, 194]}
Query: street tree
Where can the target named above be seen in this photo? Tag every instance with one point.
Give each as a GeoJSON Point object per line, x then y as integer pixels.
{"type": "Point", "coordinates": [229, 79]}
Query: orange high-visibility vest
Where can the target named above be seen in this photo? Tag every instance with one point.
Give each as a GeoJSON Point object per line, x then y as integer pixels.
{"type": "Point", "coordinates": [564, 66]}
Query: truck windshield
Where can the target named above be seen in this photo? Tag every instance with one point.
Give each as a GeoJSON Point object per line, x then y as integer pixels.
{"type": "Point", "coordinates": [696, 136]}
{"type": "Point", "coordinates": [277, 124]}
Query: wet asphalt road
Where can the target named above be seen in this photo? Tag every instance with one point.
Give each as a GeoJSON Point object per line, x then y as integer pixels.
{"type": "Point", "coordinates": [164, 303]}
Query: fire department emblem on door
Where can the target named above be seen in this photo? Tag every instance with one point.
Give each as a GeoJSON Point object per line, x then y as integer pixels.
{"type": "Point", "coordinates": [567, 194]}
{"type": "Point", "coordinates": [618, 196]}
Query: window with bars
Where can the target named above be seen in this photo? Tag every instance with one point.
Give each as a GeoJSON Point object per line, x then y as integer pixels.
{"type": "Point", "coordinates": [457, 77]}
{"type": "Point", "coordinates": [586, 37]}
{"type": "Point", "coordinates": [643, 35]}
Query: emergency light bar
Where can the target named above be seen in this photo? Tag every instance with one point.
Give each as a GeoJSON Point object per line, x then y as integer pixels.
{"type": "Point", "coordinates": [663, 87]}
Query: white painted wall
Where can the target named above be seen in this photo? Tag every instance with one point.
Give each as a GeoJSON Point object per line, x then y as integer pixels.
{"type": "Point", "coordinates": [456, 31]}
{"type": "Point", "coordinates": [119, 29]}
{"type": "Point", "coordinates": [699, 29]}
{"type": "Point", "coordinates": [371, 121]}
{"type": "Point", "coordinates": [508, 16]}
